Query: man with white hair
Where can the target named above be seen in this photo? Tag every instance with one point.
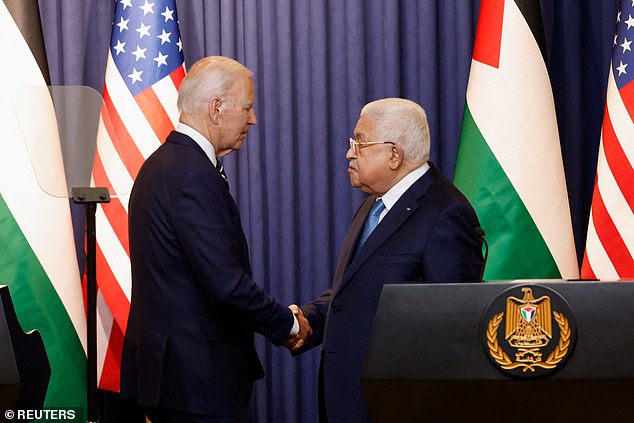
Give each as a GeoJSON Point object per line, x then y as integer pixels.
{"type": "Point", "coordinates": [188, 353]}
{"type": "Point", "coordinates": [414, 227]}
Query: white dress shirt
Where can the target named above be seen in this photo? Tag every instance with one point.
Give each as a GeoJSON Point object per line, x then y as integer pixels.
{"type": "Point", "coordinates": [393, 194]}
{"type": "Point", "coordinates": [200, 139]}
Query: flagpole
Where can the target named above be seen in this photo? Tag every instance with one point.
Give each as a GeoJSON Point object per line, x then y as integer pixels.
{"type": "Point", "coordinates": [90, 197]}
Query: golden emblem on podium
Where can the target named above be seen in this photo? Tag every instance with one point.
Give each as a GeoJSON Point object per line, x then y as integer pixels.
{"type": "Point", "coordinates": [530, 336]}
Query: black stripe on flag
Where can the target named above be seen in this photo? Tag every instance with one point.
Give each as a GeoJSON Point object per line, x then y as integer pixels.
{"type": "Point", "coordinates": [532, 13]}
{"type": "Point", "coordinates": [26, 15]}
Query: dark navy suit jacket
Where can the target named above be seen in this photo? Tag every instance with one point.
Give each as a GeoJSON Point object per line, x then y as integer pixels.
{"type": "Point", "coordinates": [189, 340]}
{"type": "Point", "coordinates": [428, 236]}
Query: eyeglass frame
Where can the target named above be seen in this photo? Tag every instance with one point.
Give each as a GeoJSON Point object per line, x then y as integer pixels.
{"type": "Point", "coordinates": [356, 145]}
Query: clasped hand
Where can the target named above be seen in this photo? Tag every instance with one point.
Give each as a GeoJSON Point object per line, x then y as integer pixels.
{"type": "Point", "coordinates": [295, 342]}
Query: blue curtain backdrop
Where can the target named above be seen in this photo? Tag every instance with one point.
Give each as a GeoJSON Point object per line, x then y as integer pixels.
{"type": "Point", "coordinates": [316, 63]}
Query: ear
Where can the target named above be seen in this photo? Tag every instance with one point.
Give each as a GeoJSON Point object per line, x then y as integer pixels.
{"type": "Point", "coordinates": [396, 158]}
{"type": "Point", "coordinates": [215, 109]}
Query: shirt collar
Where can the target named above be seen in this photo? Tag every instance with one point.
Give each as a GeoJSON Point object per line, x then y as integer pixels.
{"type": "Point", "coordinates": [394, 194]}
{"type": "Point", "coordinates": [200, 139]}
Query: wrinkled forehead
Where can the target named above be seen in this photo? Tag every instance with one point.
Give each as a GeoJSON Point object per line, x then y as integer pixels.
{"type": "Point", "coordinates": [366, 127]}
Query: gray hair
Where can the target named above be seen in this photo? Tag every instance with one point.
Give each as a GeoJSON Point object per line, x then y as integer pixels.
{"type": "Point", "coordinates": [210, 77]}
{"type": "Point", "coordinates": [403, 122]}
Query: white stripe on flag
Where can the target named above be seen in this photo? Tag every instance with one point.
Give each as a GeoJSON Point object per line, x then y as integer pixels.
{"type": "Point", "coordinates": [118, 175]}
{"type": "Point", "coordinates": [597, 256]}
{"type": "Point", "coordinates": [104, 327]}
{"type": "Point", "coordinates": [113, 251]}
{"type": "Point", "coordinates": [615, 202]}
{"type": "Point", "coordinates": [621, 120]}
{"type": "Point", "coordinates": [167, 94]}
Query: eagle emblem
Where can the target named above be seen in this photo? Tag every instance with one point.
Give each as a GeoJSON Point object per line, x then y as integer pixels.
{"type": "Point", "coordinates": [521, 337]}
{"type": "Point", "coordinates": [528, 325]}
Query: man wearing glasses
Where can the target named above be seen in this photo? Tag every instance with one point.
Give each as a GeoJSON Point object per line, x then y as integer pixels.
{"type": "Point", "coordinates": [415, 226]}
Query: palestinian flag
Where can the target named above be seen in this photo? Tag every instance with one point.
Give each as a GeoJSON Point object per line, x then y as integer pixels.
{"type": "Point", "coordinates": [509, 161]}
{"type": "Point", "coordinates": [37, 250]}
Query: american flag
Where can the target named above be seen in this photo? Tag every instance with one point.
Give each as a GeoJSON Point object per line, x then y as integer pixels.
{"type": "Point", "coordinates": [143, 73]}
{"type": "Point", "coordinates": [610, 240]}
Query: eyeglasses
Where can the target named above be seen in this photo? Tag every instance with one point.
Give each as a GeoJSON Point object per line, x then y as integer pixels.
{"type": "Point", "coordinates": [358, 145]}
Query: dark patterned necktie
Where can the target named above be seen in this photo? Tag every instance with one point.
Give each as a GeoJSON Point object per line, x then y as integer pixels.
{"type": "Point", "coordinates": [221, 170]}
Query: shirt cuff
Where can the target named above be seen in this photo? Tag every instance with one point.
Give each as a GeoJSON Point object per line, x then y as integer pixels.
{"type": "Point", "coordinates": [295, 328]}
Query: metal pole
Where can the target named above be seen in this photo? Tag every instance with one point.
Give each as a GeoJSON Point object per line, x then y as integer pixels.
{"type": "Point", "coordinates": [89, 197]}
{"type": "Point", "coordinates": [91, 300]}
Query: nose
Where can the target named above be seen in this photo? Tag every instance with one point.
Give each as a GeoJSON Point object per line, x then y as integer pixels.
{"type": "Point", "coordinates": [252, 119]}
{"type": "Point", "coordinates": [350, 154]}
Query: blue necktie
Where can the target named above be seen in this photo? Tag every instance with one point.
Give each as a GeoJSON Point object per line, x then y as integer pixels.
{"type": "Point", "coordinates": [371, 222]}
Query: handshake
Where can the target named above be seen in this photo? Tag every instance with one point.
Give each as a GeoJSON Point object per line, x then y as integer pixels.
{"type": "Point", "coordinates": [295, 342]}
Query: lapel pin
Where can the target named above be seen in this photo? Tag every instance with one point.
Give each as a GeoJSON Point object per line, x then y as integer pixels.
{"type": "Point", "coordinates": [408, 209]}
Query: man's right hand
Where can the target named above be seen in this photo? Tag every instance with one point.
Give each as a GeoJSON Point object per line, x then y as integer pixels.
{"type": "Point", "coordinates": [296, 342]}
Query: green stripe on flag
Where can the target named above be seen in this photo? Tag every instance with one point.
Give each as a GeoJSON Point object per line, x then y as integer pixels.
{"type": "Point", "coordinates": [516, 248]}
{"type": "Point", "coordinates": [38, 307]}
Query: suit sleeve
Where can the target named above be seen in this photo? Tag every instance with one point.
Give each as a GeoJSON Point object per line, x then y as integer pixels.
{"type": "Point", "coordinates": [454, 250]}
{"type": "Point", "coordinates": [212, 240]}
{"type": "Point", "coordinates": [316, 311]}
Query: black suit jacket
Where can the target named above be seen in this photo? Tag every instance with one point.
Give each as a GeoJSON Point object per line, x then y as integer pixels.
{"type": "Point", "coordinates": [427, 236]}
{"type": "Point", "coordinates": [189, 341]}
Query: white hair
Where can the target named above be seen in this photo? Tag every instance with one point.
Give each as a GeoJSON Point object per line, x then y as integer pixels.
{"type": "Point", "coordinates": [210, 77]}
{"type": "Point", "coordinates": [404, 123]}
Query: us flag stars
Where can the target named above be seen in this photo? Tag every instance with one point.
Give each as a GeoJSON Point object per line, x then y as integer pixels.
{"type": "Point", "coordinates": [622, 54]}
{"type": "Point", "coordinates": [143, 46]}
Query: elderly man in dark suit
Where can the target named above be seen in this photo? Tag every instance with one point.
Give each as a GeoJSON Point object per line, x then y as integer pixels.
{"type": "Point", "coordinates": [188, 353]}
{"type": "Point", "coordinates": [416, 226]}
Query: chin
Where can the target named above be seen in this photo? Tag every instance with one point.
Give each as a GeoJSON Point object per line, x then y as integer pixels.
{"type": "Point", "coordinates": [237, 145]}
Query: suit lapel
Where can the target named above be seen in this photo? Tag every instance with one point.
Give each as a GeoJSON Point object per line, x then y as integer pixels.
{"type": "Point", "coordinates": [393, 220]}
{"type": "Point", "coordinates": [350, 241]}
{"type": "Point", "coordinates": [185, 140]}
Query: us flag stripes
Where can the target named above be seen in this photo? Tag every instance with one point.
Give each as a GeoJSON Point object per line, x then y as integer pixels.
{"type": "Point", "coordinates": [144, 71]}
{"type": "Point", "coordinates": [610, 240]}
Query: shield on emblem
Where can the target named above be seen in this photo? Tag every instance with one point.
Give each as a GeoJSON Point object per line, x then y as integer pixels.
{"type": "Point", "coordinates": [528, 312]}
